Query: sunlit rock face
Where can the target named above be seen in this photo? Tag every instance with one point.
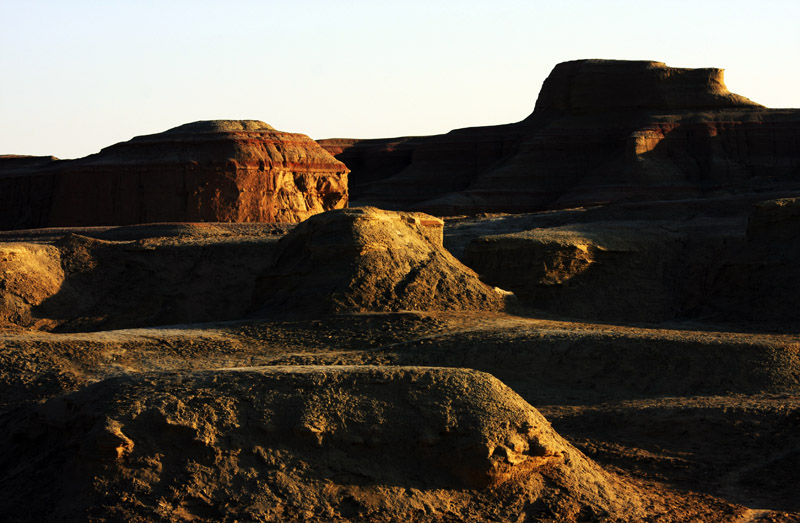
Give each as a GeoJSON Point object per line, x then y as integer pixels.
{"type": "Point", "coordinates": [603, 131]}
{"type": "Point", "coordinates": [221, 171]}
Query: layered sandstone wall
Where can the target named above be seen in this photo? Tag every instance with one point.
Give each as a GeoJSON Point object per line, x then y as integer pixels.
{"type": "Point", "coordinates": [220, 171]}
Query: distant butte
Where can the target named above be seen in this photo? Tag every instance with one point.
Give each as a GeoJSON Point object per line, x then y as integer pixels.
{"type": "Point", "coordinates": [215, 171]}
{"type": "Point", "coordinates": [602, 131]}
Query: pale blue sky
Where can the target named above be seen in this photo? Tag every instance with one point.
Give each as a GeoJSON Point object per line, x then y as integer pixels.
{"type": "Point", "coordinates": [81, 75]}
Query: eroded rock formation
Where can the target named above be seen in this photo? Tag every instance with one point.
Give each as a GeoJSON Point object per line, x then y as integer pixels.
{"type": "Point", "coordinates": [355, 443]}
{"type": "Point", "coordinates": [215, 171]}
{"type": "Point", "coordinates": [347, 260]}
{"type": "Point", "coordinates": [727, 260]}
{"type": "Point", "coordinates": [366, 259]}
{"type": "Point", "coordinates": [602, 131]}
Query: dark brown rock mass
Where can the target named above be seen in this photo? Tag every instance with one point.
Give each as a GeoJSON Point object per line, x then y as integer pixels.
{"type": "Point", "coordinates": [727, 260]}
{"type": "Point", "coordinates": [596, 86]}
{"type": "Point", "coordinates": [602, 131]}
{"type": "Point", "coordinates": [220, 171]}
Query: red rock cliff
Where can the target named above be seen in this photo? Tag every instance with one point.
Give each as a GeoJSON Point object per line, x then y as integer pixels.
{"type": "Point", "coordinates": [228, 171]}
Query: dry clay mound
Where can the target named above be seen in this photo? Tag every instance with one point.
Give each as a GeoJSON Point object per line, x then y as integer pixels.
{"type": "Point", "coordinates": [85, 282]}
{"type": "Point", "coordinates": [301, 444]}
{"type": "Point", "coordinates": [366, 259]}
{"type": "Point", "coordinates": [618, 271]}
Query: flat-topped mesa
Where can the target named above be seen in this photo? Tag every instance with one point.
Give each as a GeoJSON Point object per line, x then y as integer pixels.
{"type": "Point", "coordinates": [602, 131]}
{"type": "Point", "coordinates": [217, 171]}
{"type": "Point", "coordinates": [594, 86]}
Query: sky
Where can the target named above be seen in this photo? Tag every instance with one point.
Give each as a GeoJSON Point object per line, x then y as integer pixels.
{"type": "Point", "coordinates": [80, 75]}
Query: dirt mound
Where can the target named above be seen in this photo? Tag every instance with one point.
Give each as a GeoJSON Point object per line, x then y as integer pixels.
{"type": "Point", "coordinates": [727, 261]}
{"type": "Point", "coordinates": [172, 274]}
{"type": "Point", "coordinates": [367, 259]}
{"type": "Point", "coordinates": [760, 281]}
{"type": "Point", "coordinates": [775, 222]}
{"type": "Point", "coordinates": [301, 444]}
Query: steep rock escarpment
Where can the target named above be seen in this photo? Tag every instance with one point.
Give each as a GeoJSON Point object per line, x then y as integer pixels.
{"type": "Point", "coordinates": [597, 86]}
{"type": "Point", "coordinates": [220, 171]}
{"type": "Point", "coordinates": [602, 131]}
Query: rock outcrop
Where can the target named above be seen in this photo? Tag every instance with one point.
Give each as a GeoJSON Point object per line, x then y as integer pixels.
{"type": "Point", "coordinates": [630, 271]}
{"type": "Point", "coordinates": [602, 131]}
{"type": "Point", "coordinates": [111, 278]}
{"type": "Point", "coordinates": [759, 280]}
{"type": "Point", "coordinates": [214, 171]}
{"type": "Point", "coordinates": [301, 444]}
{"type": "Point", "coordinates": [598, 86]}
{"type": "Point", "coordinates": [366, 259]}
{"type": "Point", "coordinates": [29, 275]}
{"type": "Point", "coordinates": [347, 260]}
{"type": "Point", "coordinates": [726, 261]}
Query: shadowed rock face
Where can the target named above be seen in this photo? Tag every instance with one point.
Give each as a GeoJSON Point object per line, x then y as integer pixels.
{"type": "Point", "coordinates": [221, 171]}
{"type": "Point", "coordinates": [729, 261]}
{"type": "Point", "coordinates": [602, 131]}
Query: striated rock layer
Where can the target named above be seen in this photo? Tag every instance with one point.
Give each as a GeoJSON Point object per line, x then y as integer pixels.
{"type": "Point", "coordinates": [221, 171]}
{"type": "Point", "coordinates": [602, 131]}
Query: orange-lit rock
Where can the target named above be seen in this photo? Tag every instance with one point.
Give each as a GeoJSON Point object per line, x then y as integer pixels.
{"type": "Point", "coordinates": [221, 171]}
